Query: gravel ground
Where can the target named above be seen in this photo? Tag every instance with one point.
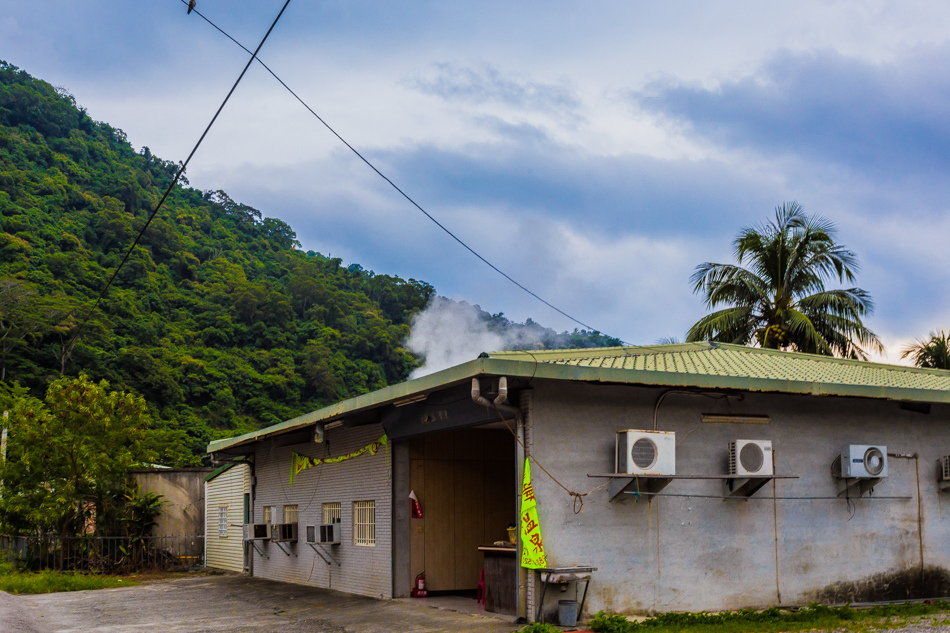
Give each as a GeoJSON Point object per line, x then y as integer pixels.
{"type": "Point", "coordinates": [232, 604]}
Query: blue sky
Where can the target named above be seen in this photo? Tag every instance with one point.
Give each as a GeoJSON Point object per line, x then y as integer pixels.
{"type": "Point", "coordinates": [596, 152]}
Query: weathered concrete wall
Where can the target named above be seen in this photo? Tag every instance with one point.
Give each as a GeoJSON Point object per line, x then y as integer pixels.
{"type": "Point", "coordinates": [183, 488]}
{"type": "Point", "coordinates": [695, 553]}
{"type": "Point", "coordinates": [363, 570]}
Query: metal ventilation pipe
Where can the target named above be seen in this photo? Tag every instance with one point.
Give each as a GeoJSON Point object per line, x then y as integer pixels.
{"type": "Point", "coordinates": [501, 400]}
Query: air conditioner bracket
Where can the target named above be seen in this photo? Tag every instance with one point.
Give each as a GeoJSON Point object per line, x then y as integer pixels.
{"type": "Point", "coordinates": [325, 555]}
{"type": "Point", "coordinates": [253, 544]}
{"type": "Point", "coordinates": [280, 544]}
{"type": "Point", "coordinates": [744, 487]}
{"type": "Point", "coordinates": [857, 486]}
{"type": "Point", "coordinates": [643, 484]}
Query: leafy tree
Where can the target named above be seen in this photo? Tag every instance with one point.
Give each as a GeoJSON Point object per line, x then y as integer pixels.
{"type": "Point", "coordinates": [69, 457]}
{"type": "Point", "coordinates": [933, 353]}
{"type": "Point", "coordinates": [779, 301]}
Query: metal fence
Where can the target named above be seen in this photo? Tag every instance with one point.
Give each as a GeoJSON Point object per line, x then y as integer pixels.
{"type": "Point", "coordinates": [104, 554]}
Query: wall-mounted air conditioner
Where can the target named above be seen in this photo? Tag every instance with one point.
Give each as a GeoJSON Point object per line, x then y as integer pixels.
{"type": "Point", "coordinates": [750, 458]}
{"type": "Point", "coordinates": [284, 532]}
{"type": "Point", "coordinates": [646, 452]}
{"type": "Point", "coordinates": [862, 461]}
{"type": "Point", "coordinates": [257, 531]}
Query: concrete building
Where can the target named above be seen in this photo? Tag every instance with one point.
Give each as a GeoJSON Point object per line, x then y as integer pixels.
{"type": "Point", "coordinates": [705, 527]}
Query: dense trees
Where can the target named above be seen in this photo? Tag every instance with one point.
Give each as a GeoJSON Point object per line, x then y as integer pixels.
{"type": "Point", "coordinates": [780, 301]}
{"type": "Point", "coordinates": [68, 457]}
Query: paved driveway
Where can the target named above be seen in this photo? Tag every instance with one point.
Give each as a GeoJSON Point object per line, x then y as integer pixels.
{"type": "Point", "coordinates": [232, 604]}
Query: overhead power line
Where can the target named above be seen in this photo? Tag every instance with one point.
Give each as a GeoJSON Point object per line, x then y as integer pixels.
{"type": "Point", "coordinates": [394, 185]}
{"type": "Point", "coordinates": [174, 181]}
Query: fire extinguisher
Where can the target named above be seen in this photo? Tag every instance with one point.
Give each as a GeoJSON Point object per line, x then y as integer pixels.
{"type": "Point", "coordinates": [419, 591]}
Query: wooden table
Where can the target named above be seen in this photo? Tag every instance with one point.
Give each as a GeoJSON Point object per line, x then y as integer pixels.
{"type": "Point", "coordinates": [501, 579]}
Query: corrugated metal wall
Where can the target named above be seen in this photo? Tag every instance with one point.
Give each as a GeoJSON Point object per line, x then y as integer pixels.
{"type": "Point", "coordinates": [363, 570]}
{"type": "Point", "coordinates": [227, 489]}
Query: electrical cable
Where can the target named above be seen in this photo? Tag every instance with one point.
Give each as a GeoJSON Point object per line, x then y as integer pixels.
{"type": "Point", "coordinates": [178, 174]}
{"type": "Point", "coordinates": [396, 187]}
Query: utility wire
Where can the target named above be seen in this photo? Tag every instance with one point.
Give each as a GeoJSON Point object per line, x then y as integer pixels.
{"type": "Point", "coordinates": [178, 174]}
{"type": "Point", "coordinates": [392, 184]}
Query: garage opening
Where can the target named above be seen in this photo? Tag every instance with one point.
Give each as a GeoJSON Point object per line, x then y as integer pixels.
{"type": "Point", "coordinates": [465, 482]}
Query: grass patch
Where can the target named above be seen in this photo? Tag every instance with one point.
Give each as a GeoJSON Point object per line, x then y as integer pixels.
{"type": "Point", "coordinates": [22, 582]}
{"type": "Point", "coordinates": [774, 620]}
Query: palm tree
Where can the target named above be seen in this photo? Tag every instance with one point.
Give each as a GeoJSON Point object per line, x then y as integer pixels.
{"type": "Point", "coordinates": [779, 301]}
{"type": "Point", "coordinates": [934, 353]}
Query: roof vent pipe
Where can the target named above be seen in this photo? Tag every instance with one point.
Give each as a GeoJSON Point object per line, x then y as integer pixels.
{"type": "Point", "coordinates": [500, 402]}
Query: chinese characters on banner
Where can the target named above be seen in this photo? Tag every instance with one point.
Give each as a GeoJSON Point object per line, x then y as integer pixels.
{"type": "Point", "coordinates": [532, 548]}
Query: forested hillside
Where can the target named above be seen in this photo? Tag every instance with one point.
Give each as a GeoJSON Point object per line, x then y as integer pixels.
{"type": "Point", "coordinates": [218, 319]}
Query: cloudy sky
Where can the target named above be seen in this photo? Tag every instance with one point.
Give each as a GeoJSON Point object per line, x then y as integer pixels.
{"type": "Point", "coordinates": [597, 152]}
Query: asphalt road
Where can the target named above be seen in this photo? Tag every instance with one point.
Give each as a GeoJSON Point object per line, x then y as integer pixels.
{"type": "Point", "coordinates": [231, 604]}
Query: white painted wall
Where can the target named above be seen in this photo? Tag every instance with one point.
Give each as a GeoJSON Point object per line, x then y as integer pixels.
{"type": "Point", "coordinates": [692, 553]}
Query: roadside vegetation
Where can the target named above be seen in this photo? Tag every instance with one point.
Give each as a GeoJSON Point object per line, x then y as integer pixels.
{"type": "Point", "coordinates": [15, 581]}
{"type": "Point", "coordinates": [814, 617]}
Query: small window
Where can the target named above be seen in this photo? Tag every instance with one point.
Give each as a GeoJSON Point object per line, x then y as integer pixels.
{"type": "Point", "coordinates": [332, 513]}
{"type": "Point", "coordinates": [290, 514]}
{"type": "Point", "coordinates": [268, 513]}
{"type": "Point", "coordinates": [364, 523]}
{"type": "Point", "coordinates": [222, 521]}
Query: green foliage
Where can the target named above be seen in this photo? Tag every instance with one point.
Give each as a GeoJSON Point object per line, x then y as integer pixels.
{"type": "Point", "coordinates": [142, 512]}
{"type": "Point", "coordinates": [604, 622]}
{"type": "Point", "coordinates": [811, 617]}
{"type": "Point", "coordinates": [68, 458]}
{"type": "Point", "coordinates": [22, 582]}
{"type": "Point", "coordinates": [779, 301]}
{"type": "Point", "coordinates": [540, 627]}
{"type": "Point", "coordinates": [933, 353]}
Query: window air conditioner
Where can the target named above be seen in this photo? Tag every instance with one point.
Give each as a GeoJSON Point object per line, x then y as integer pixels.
{"type": "Point", "coordinates": [257, 531]}
{"type": "Point", "coordinates": [646, 452]}
{"type": "Point", "coordinates": [284, 532]}
{"type": "Point", "coordinates": [861, 461]}
{"type": "Point", "coordinates": [330, 533]}
{"type": "Point", "coordinates": [750, 458]}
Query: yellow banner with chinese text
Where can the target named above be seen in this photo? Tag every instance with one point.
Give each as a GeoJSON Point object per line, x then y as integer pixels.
{"type": "Point", "coordinates": [302, 462]}
{"type": "Point", "coordinates": [532, 548]}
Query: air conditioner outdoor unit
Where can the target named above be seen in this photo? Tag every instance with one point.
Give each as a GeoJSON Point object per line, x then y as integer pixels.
{"type": "Point", "coordinates": [285, 532]}
{"type": "Point", "coordinates": [257, 531]}
{"type": "Point", "coordinates": [750, 457]}
{"type": "Point", "coordinates": [945, 468]}
{"type": "Point", "coordinates": [861, 461]}
{"type": "Point", "coordinates": [646, 452]}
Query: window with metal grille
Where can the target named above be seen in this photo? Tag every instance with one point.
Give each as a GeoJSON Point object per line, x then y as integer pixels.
{"type": "Point", "coordinates": [332, 512]}
{"type": "Point", "coordinates": [364, 523]}
{"type": "Point", "coordinates": [268, 513]}
{"type": "Point", "coordinates": [290, 514]}
{"type": "Point", "coordinates": [222, 521]}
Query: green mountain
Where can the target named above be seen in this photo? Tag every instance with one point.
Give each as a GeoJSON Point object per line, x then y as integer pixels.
{"type": "Point", "coordinates": [218, 319]}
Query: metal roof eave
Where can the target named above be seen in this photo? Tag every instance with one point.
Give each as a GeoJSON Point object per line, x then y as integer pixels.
{"type": "Point", "coordinates": [547, 370]}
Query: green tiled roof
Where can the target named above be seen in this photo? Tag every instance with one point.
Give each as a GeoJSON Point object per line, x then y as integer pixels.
{"type": "Point", "coordinates": [693, 365]}
{"type": "Point", "coordinates": [742, 362]}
